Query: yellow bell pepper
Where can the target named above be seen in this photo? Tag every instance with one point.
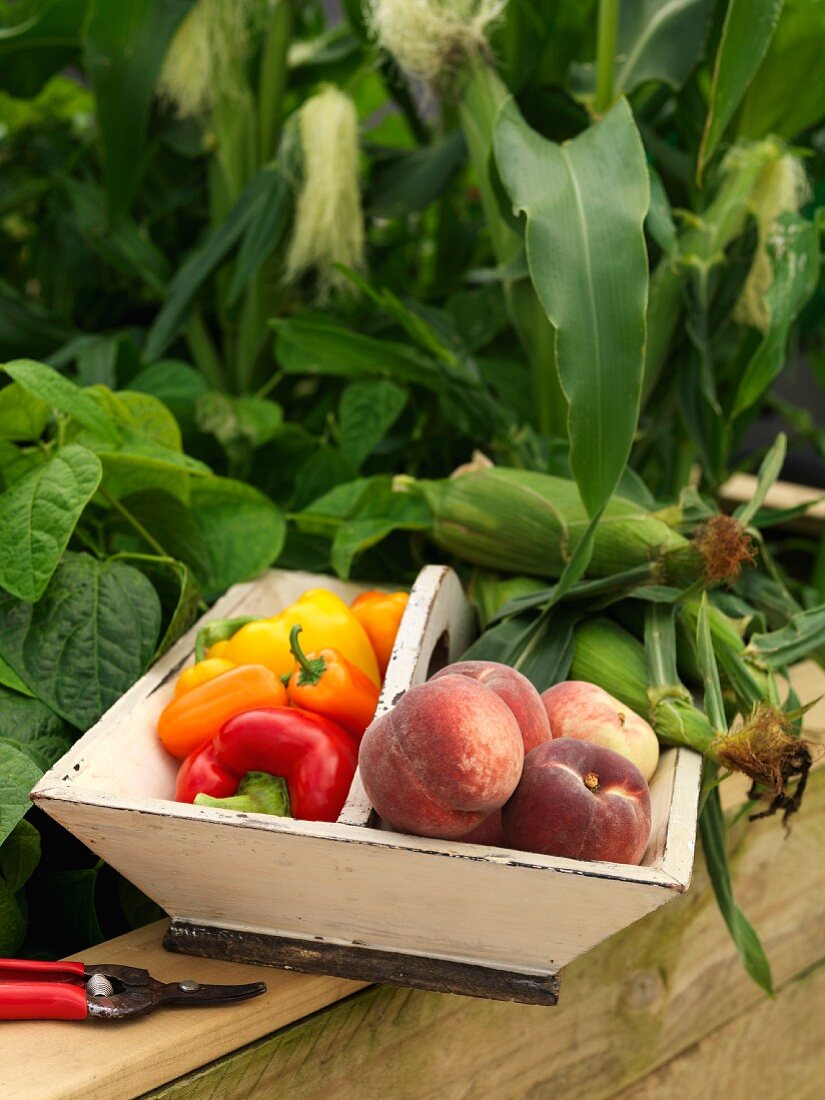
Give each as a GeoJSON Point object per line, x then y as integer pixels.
{"type": "Point", "coordinates": [201, 672]}
{"type": "Point", "coordinates": [326, 623]}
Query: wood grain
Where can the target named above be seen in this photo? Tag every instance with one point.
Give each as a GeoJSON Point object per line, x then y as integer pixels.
{"type": "Point", "coordinates": [100, 1060]}
{"type": "Point", "coordinates": [627, 1008]}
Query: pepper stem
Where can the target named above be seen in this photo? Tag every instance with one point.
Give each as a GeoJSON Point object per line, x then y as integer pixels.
{"type": "Point", "coordinates": [219, 630]}
{"type": "Point", "coordinates": [258, 793]}
{"type": "Point", "coordinates": [311, 670]}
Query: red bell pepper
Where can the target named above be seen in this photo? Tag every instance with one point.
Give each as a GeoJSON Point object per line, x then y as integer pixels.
{"type": "Point", "coordinates": [316, 757]}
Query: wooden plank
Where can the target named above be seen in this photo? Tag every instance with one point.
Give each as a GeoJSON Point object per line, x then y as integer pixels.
{"type": "Point", "coordinates": [628, 1007]}
{"type": "Point", "coordinates": [783, 494]}
{"type": "Point", "coordinates": [775, 1050]}
{"type": "Point", "coordinates": [99, 1060]}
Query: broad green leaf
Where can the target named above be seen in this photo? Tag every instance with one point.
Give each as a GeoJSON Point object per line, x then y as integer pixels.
{"type": "Point", "coordinates": [659, 40]}
{"type": "Point", "coordinates": [803, 633]}
{"type": "Point", "coordinates": [243, 530]}
{"type": "Point", "coordinates": [44, 41]}
{"type": "Point", "coordinates": [124, 44]}
{"type": "Point", "coordinates": [30, 722]}
{"type": "Point", "coordinates": [325, 515]}
{"type": "Point", "coordinates": [408, 182]}
{"type": "Point", "coordinates": [171, 523]}
{"type": "Point", "coordinates": [61, 394]}
{"type": "Point", "coordinates": [366, 412]}
{"type": "Point", "coordinates": [176, 384]}
{"type": "Point", "coordinates": [205, 258]}
{"type": "Point", "coordinates": [88, 638]}
{"type": "Point", "coordinates": [18, 774]}
{"type": "Point", "coordinates": [12, 922]}
{"type": "Point", "coordinates": [179, 593]}
{"type": "Point", "coordinates": [240, 424]}
{"type": "Point", "coordinates": [378, 513]}
{"type": "Point", "coordinates": [19, 855]}
{"type": "Point", "coordinates": [10, 679]}
{"type": "Point", "coordinates": [23, 416]}
{"type": "Point", "coordinates": [793, 248]}
{"type": "Point", "coordinates": [137, 908]}
{"type": "Point", "coordinates": [69, 899]}
{"type": "Point", "coordinates": [751, 951]}
{"type": "Point", "coordinates": [769, 470]}
{"type": "Point", "coordinates": [775, 104]}
{"type": "Point", "coordinates": [38, 515]}
{"type": "Point", "coordinates": [659, 223]}
{"type": "Point", "coordinates": [747, 31]}
{"type": "Point", "coordinates": [588, 263]}
{"type": "Point", "coordinates": [307, 347]}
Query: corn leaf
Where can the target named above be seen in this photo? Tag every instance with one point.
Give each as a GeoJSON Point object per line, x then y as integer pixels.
{"type": "Point", "coordinates": [751, 951]}
{"type": "Point", "coordinates": [769, 471]}
{"type": "Point", "coordinates": [773, 103]}
{"type": "Point", "coordinates": [124, 46]}
{"type": "Point", "coordinates": [746, 34]}
{"type": "Point", "coordinates": [659, 41]}
{"type": "Point", "coordinates": [588, 262]}
{"type": "Point", "coordinates": [714, 703]}
{"type": "Point", "coordinates": [803, 633]}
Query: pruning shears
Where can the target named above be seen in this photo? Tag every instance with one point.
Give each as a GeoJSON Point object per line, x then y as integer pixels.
{"type": "Point", "coordinates": [32, 990]}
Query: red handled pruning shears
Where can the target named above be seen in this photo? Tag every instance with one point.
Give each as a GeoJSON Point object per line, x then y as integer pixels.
{"type": "Point", "coordinates": [71, 991]}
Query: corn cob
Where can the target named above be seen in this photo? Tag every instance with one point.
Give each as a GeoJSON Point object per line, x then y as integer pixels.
{"type": "Point", "coordinates": [520, 521]}
{"type": "Point", "coordinates": [607, 655]}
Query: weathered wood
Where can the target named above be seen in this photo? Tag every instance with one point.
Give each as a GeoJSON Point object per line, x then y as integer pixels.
{"type": "Point", "coordinates": [783, 494]}
{"type": "Point", "coordinates": [629, 1007]}
{"type": "Point", "coordinates": [388, 967]}
{"type": "Point", "coordinates": [100, 1060]}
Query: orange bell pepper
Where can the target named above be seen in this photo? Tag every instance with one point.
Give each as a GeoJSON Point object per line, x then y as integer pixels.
{"type": "Point", "coordinates": [330, 685]}
{"type": "Point", "coordinates": [201, 673]}
{"type": "Point", "coordinates": [380, 615]}
{"type": "Point", "coordinates": [196, 717]}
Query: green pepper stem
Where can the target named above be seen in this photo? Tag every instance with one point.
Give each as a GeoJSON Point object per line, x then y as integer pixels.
{"type": "Point", "coordinates": [258, 793]}
{"type": "Point", "coordinates": [311, 670]}
{"type": "Point", "coordinates": [219, 630]}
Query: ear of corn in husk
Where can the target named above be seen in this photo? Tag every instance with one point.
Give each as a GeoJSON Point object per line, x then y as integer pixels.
{"type": "Point", "coordinates": [520, 521]}
{"type": "Point", "coordinates": [761, 746]}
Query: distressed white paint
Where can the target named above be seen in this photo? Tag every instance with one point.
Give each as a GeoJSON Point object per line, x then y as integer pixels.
{"type": "Point", "coordinates": [348, 882]}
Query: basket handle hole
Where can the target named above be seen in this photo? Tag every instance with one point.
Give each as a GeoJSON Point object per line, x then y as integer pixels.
{"type": "Point", "coordinates": [440, 655]}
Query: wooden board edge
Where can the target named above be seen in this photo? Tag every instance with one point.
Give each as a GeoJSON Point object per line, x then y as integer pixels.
{"type": "Point", "coordinates": [363, 964]}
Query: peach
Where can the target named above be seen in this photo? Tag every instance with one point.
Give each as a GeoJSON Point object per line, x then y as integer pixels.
{"type": "Point", "coordinates": [516, 691]}
{"type": "Point", "coordinates": [579, 800]}
{"type": "Point", "coordinates": [585, 711]}
{"type": "Point", "coordinates": [447, 756]}
{"type": "Point", "coordinates": [489, 832]}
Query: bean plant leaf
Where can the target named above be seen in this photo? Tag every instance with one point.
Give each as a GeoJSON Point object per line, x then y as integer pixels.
{"type": "Point", "coordinates": [243, 530]}
{"type": "Point", "coordinates": [12, 922]}
{"type": "Point", "coordinates": [88, 638]}
{"type": "Point", "coordinates": [712, 830]}
{"type": "Point", "coordinates": [366, 412]}
{"type": "Point", "coordinates": [588, 263]}
{"type": "Point", "coordinates": [19, 855]}
{"type": "Point", "coordinates": [378, 512]}
{"type": "Point", "coordinates": [171, 523]}
{"type": "Point", "coordinates": [27, 721]}
{"type": "Point", "coordinates": [23, 416]}
{"type": "Point", "coordinates": [38, 515]}
{"type": "Point", "coordinates": [61, 394]}
{"type": "Point", "coordinates": [746, 33]}
{"type": "Point", "coordinates": [124, 46]}
{"type": "Point", "coordinates": [774, 104]}
{"type": "Point", "coordinates": [18, 774]}
{"type": "Point", "coordinates": [793, 248]}
{"type": "Point", "coordinates": [69, 897]}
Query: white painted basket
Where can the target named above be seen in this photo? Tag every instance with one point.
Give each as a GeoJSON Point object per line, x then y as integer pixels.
{"type": "Point", "coordinates": [349, 898]}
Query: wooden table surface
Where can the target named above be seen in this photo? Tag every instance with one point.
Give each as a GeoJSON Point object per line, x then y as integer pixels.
{"type": "Point", "coordinates": [662, 1010]}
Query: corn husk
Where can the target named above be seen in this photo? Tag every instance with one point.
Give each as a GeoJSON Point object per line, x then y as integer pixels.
{"type": "Point", "coordinates": [520, 521]}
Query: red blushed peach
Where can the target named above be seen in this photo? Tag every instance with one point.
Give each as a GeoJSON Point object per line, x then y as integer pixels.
{"type": "Point", "coordinates": [516, 691]}
{"type": "Point", "coordinates": [447, 756]}
{"type": "Point", "coordinates": [579, 800]}
{"type": "Point", "coordinates": [489, 832]}
{"type": "Point", "coordinates": [583, 710]}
